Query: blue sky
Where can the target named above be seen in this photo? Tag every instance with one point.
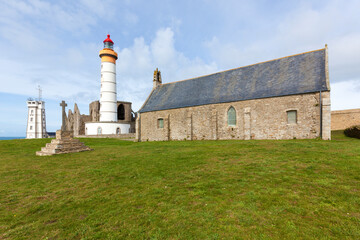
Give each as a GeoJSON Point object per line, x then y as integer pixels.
{"type": "Point", "coordinates": [55, 44]}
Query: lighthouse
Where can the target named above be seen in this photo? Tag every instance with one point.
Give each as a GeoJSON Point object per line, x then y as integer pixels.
{"type": "Point", "coordinates": [36, 126]}
{"type": "Point", "coordinates": [108, 101]}
{"type": "Point", "coordinates": [110, 121]}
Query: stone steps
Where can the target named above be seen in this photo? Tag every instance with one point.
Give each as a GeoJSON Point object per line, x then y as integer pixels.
{"type": "Point", "coordinates": [64, 143]}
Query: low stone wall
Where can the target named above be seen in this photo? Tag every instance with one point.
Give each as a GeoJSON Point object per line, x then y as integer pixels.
{"type": "Point", "coordinates": [343, 119]}
{"type": "Point", "coordinates": [120, 136]}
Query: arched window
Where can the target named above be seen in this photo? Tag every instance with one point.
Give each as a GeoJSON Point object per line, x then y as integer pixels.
{"type": "Point", "coordinates": [99, 130]}
{"type": "Point", "coordinates": [121, 112]}
{"type": "Point", "coordinates": [118, 131]}
{"type": "Point", "coordinates": [231, 116]}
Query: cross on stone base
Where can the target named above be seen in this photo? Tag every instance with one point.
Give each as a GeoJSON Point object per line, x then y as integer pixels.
{"type": "Point", "coordinates": [64, 142]}
{"type": "Point", "coordinates": [63, 105]}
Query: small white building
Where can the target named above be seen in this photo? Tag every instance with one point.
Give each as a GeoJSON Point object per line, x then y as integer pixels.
{"type": "Point", "coordinates": [36, 124]}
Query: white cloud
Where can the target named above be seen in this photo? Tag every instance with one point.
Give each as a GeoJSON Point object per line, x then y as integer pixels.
{"type": "Point", "coordinates": [344, 57]}
{"type": "Point", "coordinates": [74, 73]}
{"type": "Point", "coordinates": [137, 63]}
{"type": "Point", "coordinates": [162, 46]}
{"type": "Point", "coordinates": [50, 17]}
{"type": "Point", "coordinates": [305, 27]}
{"type": "Point", "coordinates": [345, 95]}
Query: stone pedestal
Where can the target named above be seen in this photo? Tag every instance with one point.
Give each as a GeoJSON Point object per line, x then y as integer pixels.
{"type": "Point", "coordinates": [64, 143]}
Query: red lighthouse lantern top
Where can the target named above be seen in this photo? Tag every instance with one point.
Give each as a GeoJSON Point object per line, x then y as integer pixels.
{"type": "Point", "coordinates": [108, 43]}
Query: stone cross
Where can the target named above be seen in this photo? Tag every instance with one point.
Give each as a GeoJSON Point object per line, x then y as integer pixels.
{"type": "Point", "coordinates": [63, 105]}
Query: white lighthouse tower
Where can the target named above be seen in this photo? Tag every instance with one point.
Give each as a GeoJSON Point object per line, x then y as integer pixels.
{"type": "Point", "coordinates": [108, 123]}
{"type": "Point", "coordinates": [108, 101]}
{"type": "Point", "coordinates": [36, 124]}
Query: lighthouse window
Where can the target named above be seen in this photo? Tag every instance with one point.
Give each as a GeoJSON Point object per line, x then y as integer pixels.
{"type": "Point", "coordinates": [108, 45]}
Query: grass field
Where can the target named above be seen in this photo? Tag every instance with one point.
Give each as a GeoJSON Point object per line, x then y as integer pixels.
{"type": "Point", "coordinates": [294, 189]}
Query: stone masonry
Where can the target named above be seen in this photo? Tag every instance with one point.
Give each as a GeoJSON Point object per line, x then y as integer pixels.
{"type": "Point", "coordinates": [255, 119]}
{"type": "Point", "coordinates": [345, 118]}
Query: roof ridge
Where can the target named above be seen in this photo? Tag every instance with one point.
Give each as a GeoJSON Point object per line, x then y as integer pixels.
{"type": "Point", "coordinates": [245, 66]}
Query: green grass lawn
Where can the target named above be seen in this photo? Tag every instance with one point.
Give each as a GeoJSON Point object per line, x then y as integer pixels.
{"type": "Point", "coordinates": [291, 189]}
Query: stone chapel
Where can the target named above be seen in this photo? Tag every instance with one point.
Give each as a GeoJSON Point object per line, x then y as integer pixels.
{"type": "Point", "coordinates": [285, 98]}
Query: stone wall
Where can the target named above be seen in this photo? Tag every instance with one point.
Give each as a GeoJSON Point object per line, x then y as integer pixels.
{"type": "Point", "coordinates": [94, 111]}
{"type": "Point", "coordinates": [75, 121]}
{"type": "Point", "coordinates": [128, 116]}
{"type": "Point", "coordinates": [343, 119]}
{"type": "Point", "coordinates": [255, 119]}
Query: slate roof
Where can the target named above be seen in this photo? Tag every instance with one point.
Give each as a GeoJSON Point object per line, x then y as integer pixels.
{"type": "Point", "coordinates": [297, 74]}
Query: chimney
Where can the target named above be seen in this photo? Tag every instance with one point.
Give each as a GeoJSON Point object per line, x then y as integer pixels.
{"type": "Point", "coordinates": [157, 79]}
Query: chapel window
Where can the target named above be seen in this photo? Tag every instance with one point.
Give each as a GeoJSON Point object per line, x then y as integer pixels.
{"type": "Point", "coordinates": [231, 116]}
{"type": "Point", "coordinates": [160, 123]}
{"type": "Point", "coordinates": [31, 119]}
{"type": "Point", "coordinates": [118, 131]}
{"type": "Point", "coordinates": [99, 130]}
{"type": "Point", "coordinates": [292, 117]}
{"type": "Point", "coordinates": [30, 127]}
